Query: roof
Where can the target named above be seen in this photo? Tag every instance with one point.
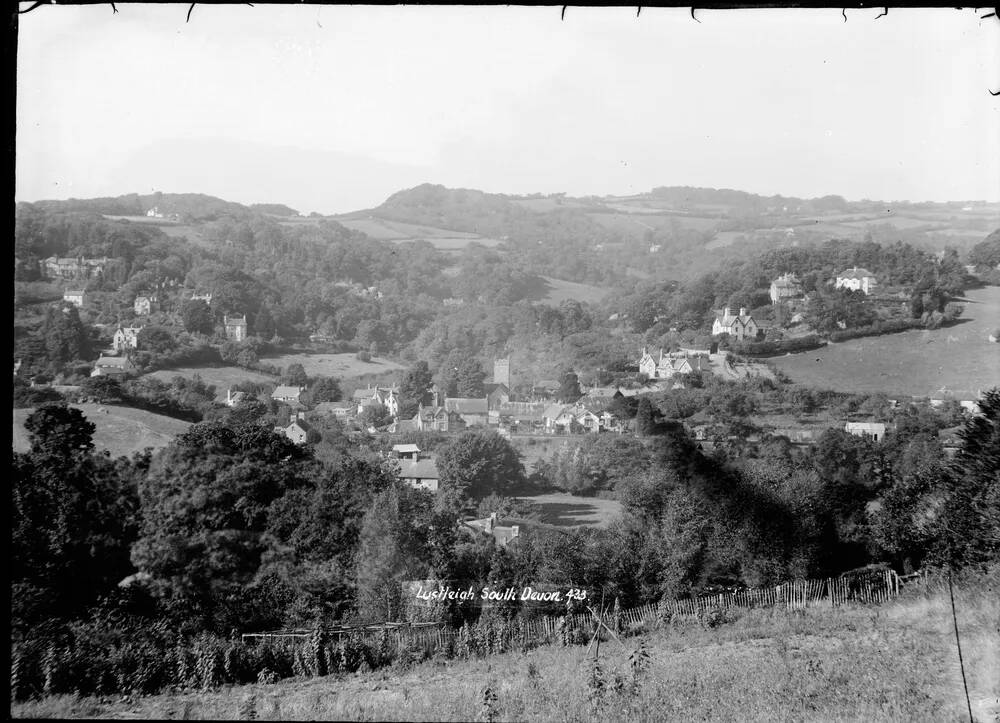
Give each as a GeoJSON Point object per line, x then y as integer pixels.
{"type": "Point", "coordinates": [856, 273]}
{"type": "Point", "coordinates": [330, 406]}
{"type": "Point", "coordinates": [71, 292]}
{"type": "Point", "coordinates": [405, 448]}
{"type": "Point", "coordinates": [419, 469]}
{"type": "Point", "coordinates": [120, 362]}
{"type": "Point", "coordinates": [787, 281]}
{"type": "Point", "coordinates": [466, 405]}
{"type": "Point", "coordinates": [285, 391]}
{"type": "Point", "coordinates": [730, 319]}
{"type": "Point", "coordinates": [491, 387]}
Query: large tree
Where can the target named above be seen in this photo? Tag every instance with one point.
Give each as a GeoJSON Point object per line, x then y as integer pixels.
{"type": "Point", "coordinates": [197, 317]}
{"type": "Point", "coordinates": [478, 464]}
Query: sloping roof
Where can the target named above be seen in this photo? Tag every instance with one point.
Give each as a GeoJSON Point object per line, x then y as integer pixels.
{"type": "Point", "coordinates": [491, 387]}
{"type": "Point", "coordinates": [330, 407]}
{"type": "Point", "coordinates": [787, 281]}
{"type": "Point", "coordinates": [405, 448]}
{"type": "Point", "coordinates": [856, 273]}
{"type": "Point", "coordinates": [554, 410]}
{"type": "Point", "coordinates": [285, 391]}
{"type": "Point", "coordinates": [466, 405]}
{"type": "Point", "coordinates": [419, 469]}
{"type": "Point", "coordinates": [120, 362]}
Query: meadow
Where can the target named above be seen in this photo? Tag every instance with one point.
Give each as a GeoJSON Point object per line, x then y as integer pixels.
{"type": "Point", "coordinates": [894, 662]}
{"type": "Point", "coordinates": [561, 509]}
{"type": "Point", "coordinates": [400, 232]}
{"type": "Point", "coordinates": [119, 430]}
{"type": "Point", "coordinates": [221, 377]}
{"type": "Point", "coordinates": [557, 291]}
{"type": "Point", "coordinates": [958, 360]}
{"type": "Point", "coordinates": [342, 366]}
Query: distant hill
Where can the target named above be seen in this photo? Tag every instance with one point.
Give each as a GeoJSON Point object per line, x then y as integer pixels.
{"type": "Point", "coordinates": [274, 209]}
{"type": "Point", "coordinates": [188, 206]}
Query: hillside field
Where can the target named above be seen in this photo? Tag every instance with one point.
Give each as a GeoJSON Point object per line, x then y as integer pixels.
{"type": "Point", "coordinates": [557, 291]}
{"type": "Point", "coordinates": [120, 430]}
{"type": "Point", "coordinates": [894, 662]}
{"type": "Point", "coordinates": [221, 377]}
{"type": "Point", "coordinates": [927, 363]}
{"type": "Point", "coordinates": [342, 366]}
{"type": "Point", "coordinates": [400, 232]}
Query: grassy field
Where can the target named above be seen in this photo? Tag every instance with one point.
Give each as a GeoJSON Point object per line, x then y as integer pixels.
{"type": "Point", "coordinates": [120, 430]}
{"type": "Point", "coordinates": [400, 232]}
{"type": "Point", "coordinates": [895, 662]}
{"type": "Point", "coordinates": [959, 359]}
{"type": "Point", "coordinates": [342, 366]}
{"type": "Point", "coordinates": [222, 377]}
{"type": "Point", "coordinates": [566, 510]}
{"type": "Point", "coordinates": [557, 291]}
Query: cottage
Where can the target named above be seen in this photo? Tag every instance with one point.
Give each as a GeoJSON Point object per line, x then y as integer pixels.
{"type": "Point", "coordinates": [872, 430]}
{"type": "Point", "coordinates": [117, 367]}
{"type": "Point", "coordinates": [297, 430]}
{"type": "Point", "coordinates": [742, 325]}
{"type": "Point", "coordinates": [503, 534]}
{"type": "Point", "coordinates": [236, 327]}
{"type": "Point", "coordinates": [472, 411]}
{"type": "Point", "coordinates": [856, 279]}
{"type": "Point", "coordinates": [76, 298]}
{"type": "Point", "coordinates": [337, 410]}
{"type": "Point", "coordinates": [435, 418]}
{"type": "Point", "coordinates": [287, 394]}
{"type": "Point", "coordinates": [786, 286]}
{"type": "Point", "coordinates": [420, 473]}
{"type": "Point", "coordinates": [126, 338]}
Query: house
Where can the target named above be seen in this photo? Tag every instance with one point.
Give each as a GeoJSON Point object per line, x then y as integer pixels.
{"type": "Point", "coordinates": [297, 430]}
{"type": "Point", "coordinates": [497, 394]}
{"type": "Point", "coordinates": [76, 298]}
{"type": "Point", "coordinates": [409, 452]}
{"type": "Point", "coordinates": [388, 397]}
{"type": "Point", "coordinates": [435, 418]}
{"type": "Point", "coordinates": [741, 325]}
{"type": "Point", "coordinates": [73, 268]}
{"type": "Point", "coordinates": [125, 338]}
{"type": "Point", "coordinates": [117, 367]}
{"type": "Point", "coordinates": [143, 305]}
{"type": "Point", "coordinates": [856, 279]}
{"type": "Point", "coordinates": [786, 286]}
{"type": "Point", "coordinates": [420, 473]}
{"type": "Point", "coordinates": [154, 212]}
{"type": "Point", "coordinates": [472, 411]}
{"type": "Point", "coordinates": [236, 327]}
{"type": "Point", "coordinates": [233, 399]}
{"type": "Point", "coordinates": [492, 526]}
{"type": "Point", "coordinates": [672, 364]}
{"type": "Point", "coordinates": [545, 388]}
{"type": "Point", "coordinates": [338, 410]}
{"type": "Point", "coordinates": [519, 416]}
{"type": "Point", "coordinates": [872, 430]}
{"type": "Point", "coordinates": [207, 298]}
{"type": "Point", "coordinates": [287, 394]}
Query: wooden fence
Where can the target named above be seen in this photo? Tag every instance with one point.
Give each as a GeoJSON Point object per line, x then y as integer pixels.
{"type": "Point", "coordinates": [869, 588]}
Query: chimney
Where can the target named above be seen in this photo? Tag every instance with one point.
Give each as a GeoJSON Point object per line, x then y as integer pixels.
{"type": "Point", "coordinates": [515, 530]}
{"type": "Point", "coordinates": [292, 418]}
{"type": "Point", "coordinates": [436, 398]}
{"type": "Point", "coordinates": [743, 311]}
{"type": "Point", "coordinates": [725, 312]}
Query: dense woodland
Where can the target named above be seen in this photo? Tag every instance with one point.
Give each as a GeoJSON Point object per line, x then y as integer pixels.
{"type": "Point", "coordinates": [120, 564]}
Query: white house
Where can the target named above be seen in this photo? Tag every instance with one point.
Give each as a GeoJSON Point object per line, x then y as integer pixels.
{"type": "Point", "coordinates": [236, 327]}
{"type": "Point", "coordinates": [126, 338]}
{"type": "Point", "coordinates": [741, 325]}
{"type": "Point", "coordinates": [388, 397]}
{"type": "Point", "coordinates": [672, 364]}
{"type": "Point", "coordinates": [856, 279]}
{"type": "Point", "coordinates": [873, 430]}
{"type": "Point", "coordinates": [74, 297]}
{"type": "Point", "coordinates": [232, 399]}
{"type": "Point", "coordinates": [143, 305]}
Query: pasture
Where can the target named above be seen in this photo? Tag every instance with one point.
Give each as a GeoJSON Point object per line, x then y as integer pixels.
{"type": "Point", "coordinates": [222, 377]}
{"type": "Point", "coordinates": [890, 662]}
{"type": "Point", "coordinates": [399, 232]}
{"type": "Point", "coordinates": [342, 366]}
{"type": "Point", "coordinates": [557, 291]}
{"type": "Point", "coordinates": [565, 510]}
{"type": "Point", "coordinates": [958, 359]}
{"type": "Point", "coordinates": [119, 430]}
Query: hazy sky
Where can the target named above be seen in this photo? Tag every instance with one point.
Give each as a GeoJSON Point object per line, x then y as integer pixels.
{"type": "Point", "coordinates": [333, 108]}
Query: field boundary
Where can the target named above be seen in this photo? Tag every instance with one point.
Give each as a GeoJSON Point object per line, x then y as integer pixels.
{"type": "Point", "coordinates": [865, 588]}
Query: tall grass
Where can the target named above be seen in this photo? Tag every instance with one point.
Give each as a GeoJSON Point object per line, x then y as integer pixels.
{"type": "Point", "coordinates": [895, 662]}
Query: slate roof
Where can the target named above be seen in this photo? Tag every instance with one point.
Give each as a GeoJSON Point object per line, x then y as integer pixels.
{"type": "Point", "coordinates": [419, 469]}
{"type": "Point", "coordinates": [284, 391]}
{"type": "Point", "coordinates": [856, 273]}
{"type": "Point", "coordinates": [464, 405]}
{"type": "Point", "coordinates": [119, 362]}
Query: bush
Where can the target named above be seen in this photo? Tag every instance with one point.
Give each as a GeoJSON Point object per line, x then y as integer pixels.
{"type": "Point", "coordinates": [776, 348]}
{"type": "Point", "coordinates": [363, 356]}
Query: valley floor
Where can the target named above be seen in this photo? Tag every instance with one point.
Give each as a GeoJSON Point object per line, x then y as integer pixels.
{"type": "Point", "coordinates": [895, 662]}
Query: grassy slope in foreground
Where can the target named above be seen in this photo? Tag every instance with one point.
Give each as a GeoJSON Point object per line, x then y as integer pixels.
{"type": "Point", "coordinates": [896, 662]}
{"type": "Point", "coordinates": [120, 430]}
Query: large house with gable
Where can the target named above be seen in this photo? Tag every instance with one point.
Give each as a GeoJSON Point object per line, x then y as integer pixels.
{"type": "Point", "coordinates": [856, 279]}
{"type": "Point", "coordinates": [125, 338]}
{"type": "Point", "coordinates": [742, 325]}
{"type": "Point", "coordinates": [388, 397]}
{"type": "Point", "coordinates": [670, 365]}
{"type": "Point", "coordinates": [236, 327]}
{"type": "Point", "coordinates": [117, 367]}
{"type": "Point", "coordinates": [297, 429]}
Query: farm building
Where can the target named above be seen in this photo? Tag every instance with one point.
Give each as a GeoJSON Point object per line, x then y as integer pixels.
{"type": "Point", "coordinates": [856, 279]}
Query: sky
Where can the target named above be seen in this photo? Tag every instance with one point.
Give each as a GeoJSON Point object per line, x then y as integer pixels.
{"type": "Point", "coordinates": [334, 108]}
